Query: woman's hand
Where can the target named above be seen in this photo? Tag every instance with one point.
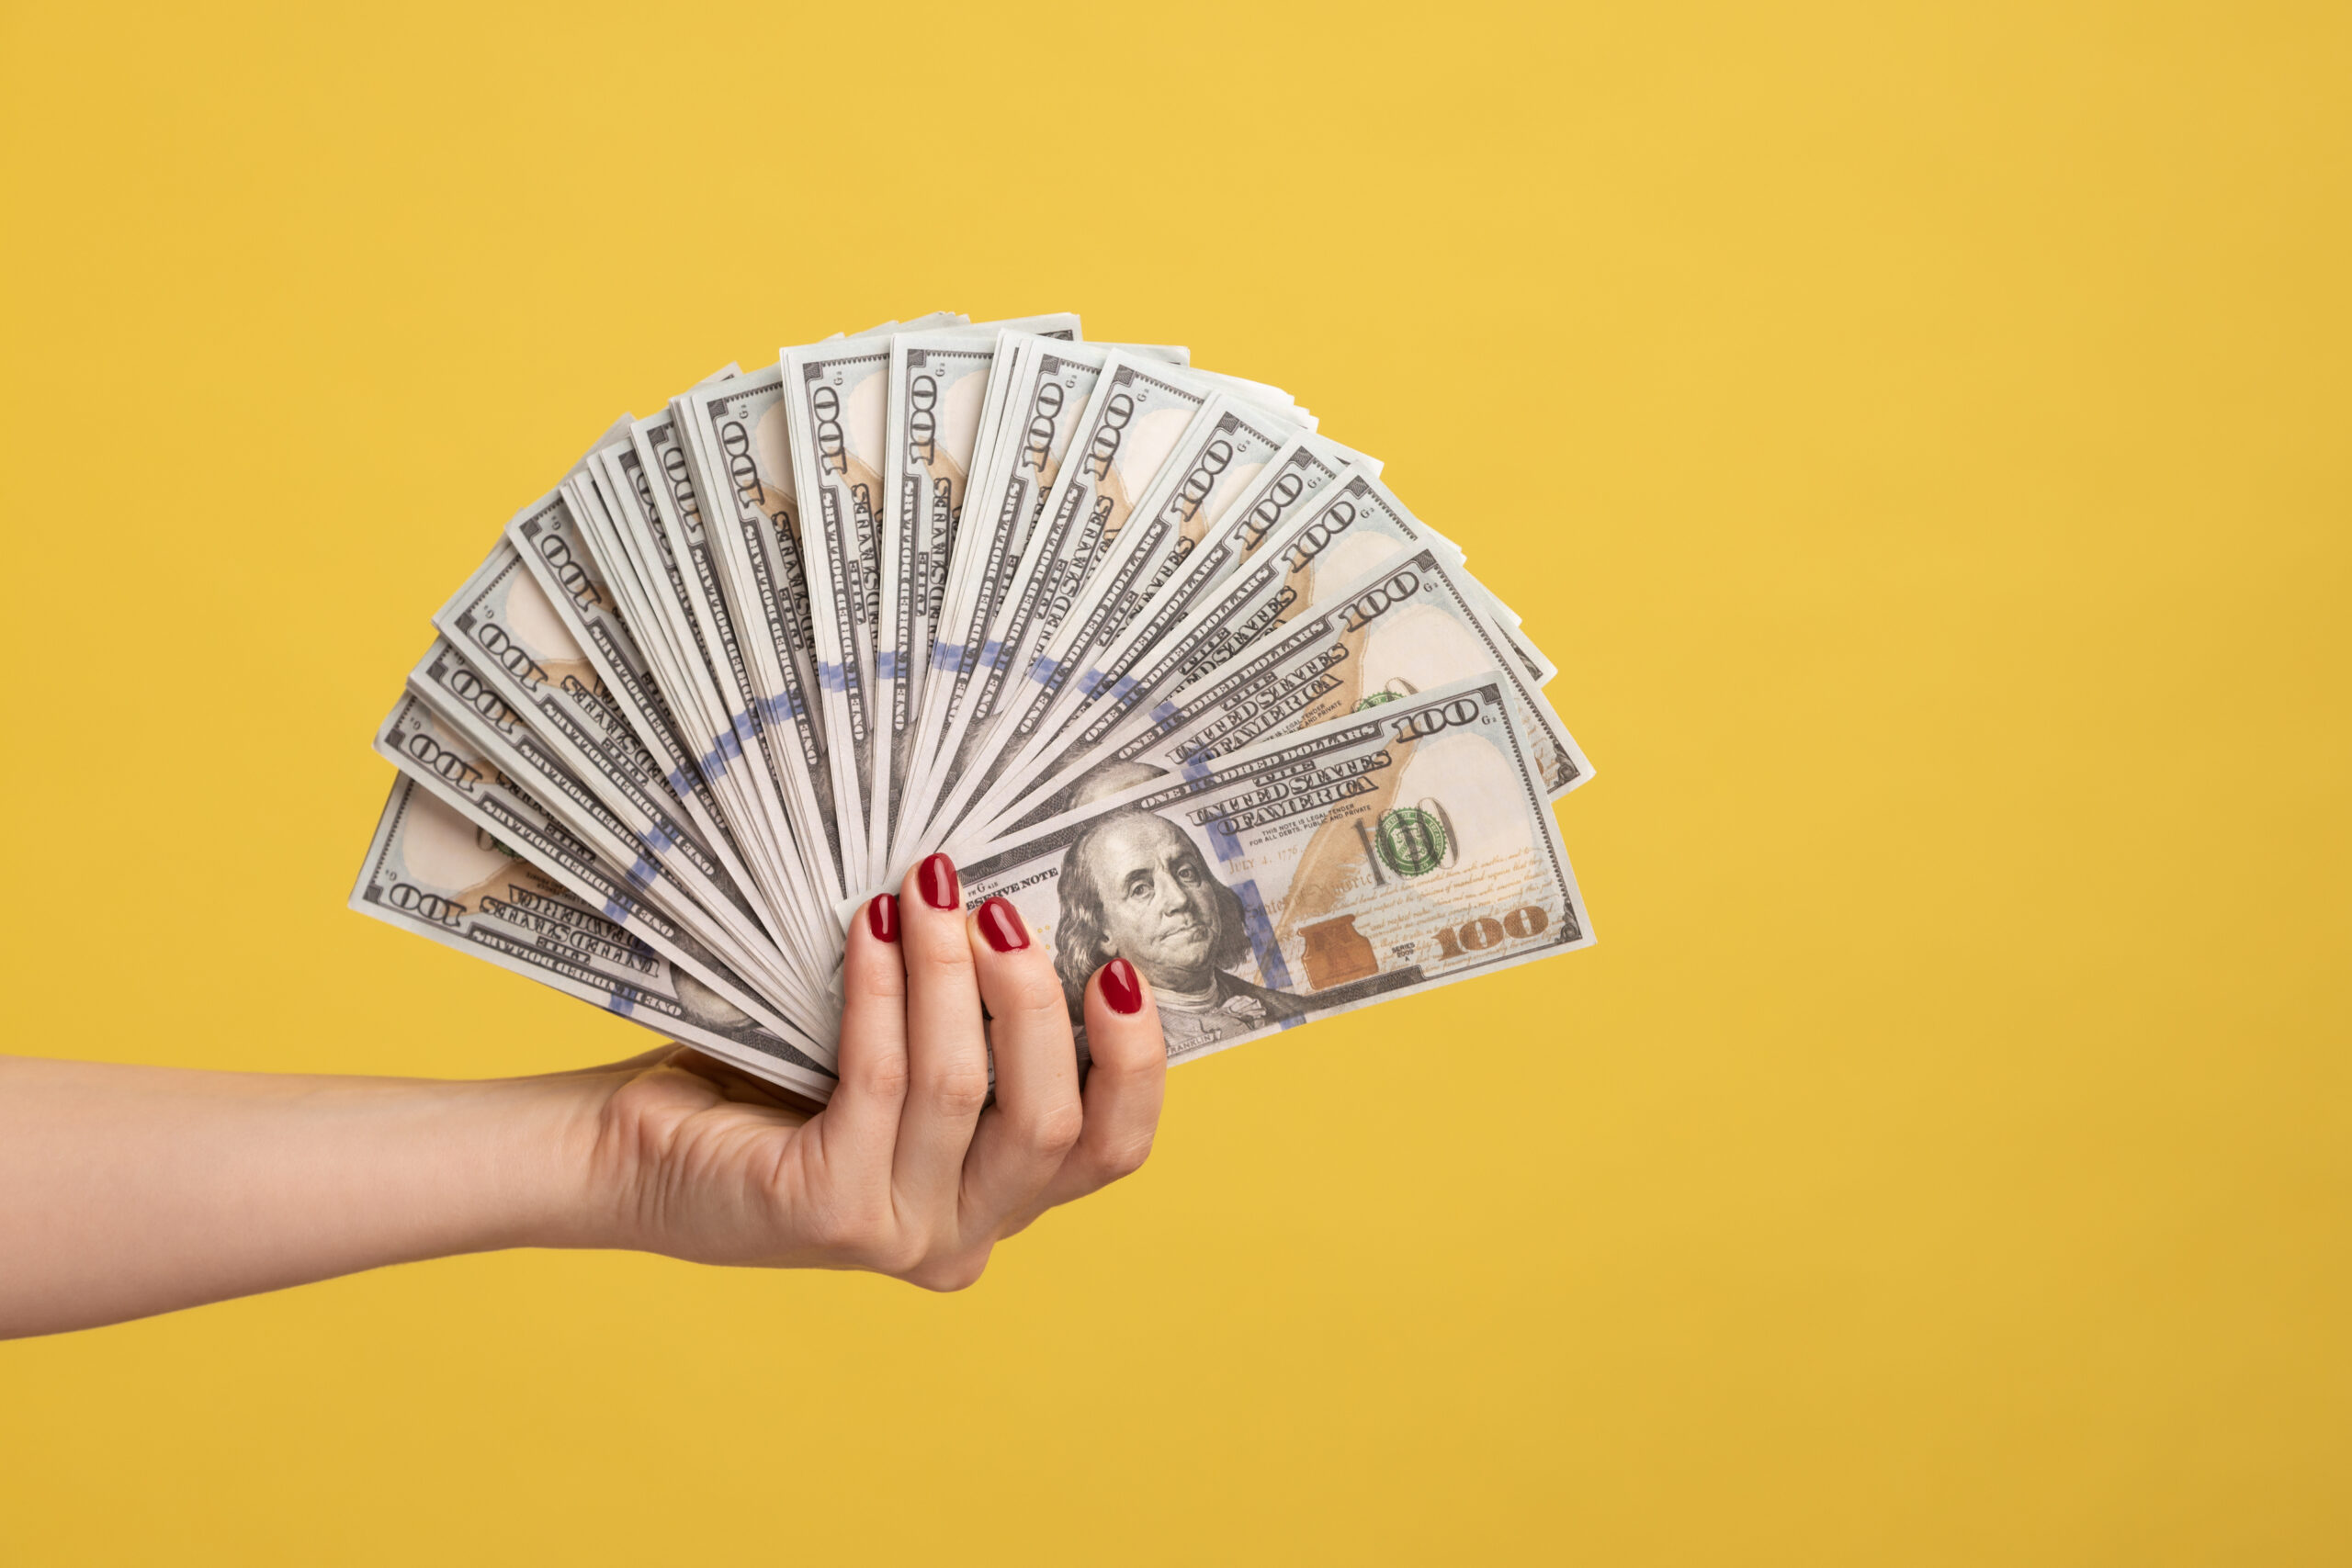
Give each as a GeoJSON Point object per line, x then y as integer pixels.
{"type": "Point", "coordinates": [130, 1190]}
{"type": "Point", "coordinates": [910, 1171]}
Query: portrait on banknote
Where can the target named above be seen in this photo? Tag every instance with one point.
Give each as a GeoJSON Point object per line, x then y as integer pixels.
{"type": "Point", "coordinates": [1134, 885]}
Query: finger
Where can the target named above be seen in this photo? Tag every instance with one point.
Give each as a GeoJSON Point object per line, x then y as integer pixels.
{"type": "Point", "coordinates": [859, 1129]}
{"type": "Point", "coordinates": [947, 1063]}
{"type": "Point", "coordinates": [1036, 1119]}
{"type": "Point", "coordinates": [1125, 1085]}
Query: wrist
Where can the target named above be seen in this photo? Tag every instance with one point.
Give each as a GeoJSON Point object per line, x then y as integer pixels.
{"type": "Point", "coordinates": [562, 1182]}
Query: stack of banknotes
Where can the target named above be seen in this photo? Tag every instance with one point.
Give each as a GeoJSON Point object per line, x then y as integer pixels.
{"type": "Point", "coordinates": [1148, 654]}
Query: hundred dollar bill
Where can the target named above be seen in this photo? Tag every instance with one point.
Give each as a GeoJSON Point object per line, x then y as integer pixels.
{"type": "Point", "coordinates": [624, 524]}
{"type": "Point", "coordinates": [752, 595]}
{"type": "Point", "coordinates": [937, 399]}
{"type": "Point", "coordinates": [469, 701]}
{"type": "Point", "coordinates": [1280, 546]}
{"type": "Point", "coordinates": [1048, 388]}
{"type": "Point", "coordinates": [1407, 627]}
{"type": "Point", "coordinates": [507, 612]}
{"type": "Point", "coordinates": [431, 872]}
{"type": "Point", "coordinates": [739, 444]}
{"type": "Point", "coordinates": [436, 757]}
{"type": "Point", "coordinates": [1233, 530]}
{"type": "Point", "coordinates": [836, 396]}
{"type": "Point", "coordinates": [704, 514]}
{"type": "Point", "coordinates": [1222, 449]}
{"type": "Point", "coordinates": [516, 638]}
{"type": "Point", "coordinates": [1137, 414]}
{"type": "Point", "coordinates": [1368, 524]}
{"type": "Point", "coordinates": [1404, 847]}
{"type": "Point", "coordinates": [553, 547]}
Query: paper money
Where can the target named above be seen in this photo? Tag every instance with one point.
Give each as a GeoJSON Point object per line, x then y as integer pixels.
{"type": "Point", "coordinates": [1135, 415]}
{"type": "Point", "coordinates": [1046, 397]}
{"type": "Point", "coordinates": [750, 598]}
{"type": "Point", "coordinates": [834, 397]}
{"type": "Point", "coordinates": [1103, 625]}
{"type": "Point", "coordinates": [1406, 626]}
{"type": "Point", "coordinates": [937, 399]}
{"type": "Point", "coordinates": [430, 872]}
{"type": "Point", "coordinates": [514, 636]}
{"type": "Point", "coordinates": [1235, 530]}
{"type": "Point", "coordinates": [439, 759]}
{"type": "Point", "coordinates": [1404, 847]}
{"type": "Point", "coordinates": [471, 702]}
{"type": "Point", "coordinates": [1098, 585]}
{"type": "Point", "coordinates": [553, 545]}
{"type": "Point", "coordinates": [623, 523]}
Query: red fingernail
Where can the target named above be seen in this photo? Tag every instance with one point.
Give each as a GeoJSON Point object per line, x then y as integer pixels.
{"type": "Point", "coordinates": [1001, 923]}
{"type": "Point", "coordinates": [936, 877]}
{"type": "Point", "coordinates": [1122, 986]}
{"type": "Point", "coordinates": [882, 918]}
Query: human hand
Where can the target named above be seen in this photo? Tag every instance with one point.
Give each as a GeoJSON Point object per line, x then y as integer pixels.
{"type": "Point", "coordinates": [910, 1171]}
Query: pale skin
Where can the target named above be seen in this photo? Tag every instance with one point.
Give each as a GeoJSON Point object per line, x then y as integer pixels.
{"type": "Point", "coordinates": [126, 1190]}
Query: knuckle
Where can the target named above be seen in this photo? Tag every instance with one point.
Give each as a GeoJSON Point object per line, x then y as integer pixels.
{"type": "Point", "coordinates": [960, 1088]}
{"type": "Point", "coordinates": [958, 1271]}
{"type": "Point", "coordinates": [1054, 1129]}
{"type": "Point", "coordinates": [944, 956]}
{"type": "Point", "coordinates": [901, 1257]}
{"type": "Point", "coordinates": [1123, 1156]}
{"type": "Point", "coordinates": [1129, 1053]}
{"type": "Point", "coordinates": [886, 1079]}
{"type": "Point", "coordinates": [1033, 988]}
{"type": "Point", "coordinates": [882, 982]}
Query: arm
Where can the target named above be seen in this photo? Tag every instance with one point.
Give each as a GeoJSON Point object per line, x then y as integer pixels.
{"type": "Point", "coordinates": [131, 1190]}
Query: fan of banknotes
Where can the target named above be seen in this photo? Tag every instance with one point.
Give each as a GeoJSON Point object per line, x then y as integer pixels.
{"type": "Point", "coordinates": [1148, 654]}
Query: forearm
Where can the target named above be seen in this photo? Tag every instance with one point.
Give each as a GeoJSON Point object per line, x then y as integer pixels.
{"type": "Point", "coordinates": [129, 1190]}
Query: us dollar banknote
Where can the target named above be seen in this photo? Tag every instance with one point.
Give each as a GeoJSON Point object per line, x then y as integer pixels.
{"type": "Point", "coordinates": [1276, 579]}
{"type": "Point", "coordinates": [553, 545]}
{"type": "Point", "coordinates": [1235, 528]}
{"type": "Point", "coordinates": [937, 400]}
{"type": "Point", "coordinates": [625, 527]}
{"type": "Point", "coordinates": [1223, 449]}
{"type": "Point", "coordinates": [430, 872]}
{"type": "Point", "coordinates": [835, 397]}
{"type": "Point", "coordinates": [471, 702]}
{"type": "Point", "coordinates": [440, 760]}
{"type": "Point", "coordinates": [1135, 415]}
{"type": "Point", "coordinates": [1402, 848]}
{"type": "Point", "coordinates": [513, 635]}
{"type": "Point", "coordinates": [753, 603]}
{"type": "Point", "coordinates": [1407, 625]}
{"type": "Point", "coordinates": [1047, 394]}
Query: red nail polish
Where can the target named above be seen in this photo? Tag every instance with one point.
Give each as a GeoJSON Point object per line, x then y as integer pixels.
{"type": "Point", "coordinates": [882, 918]}
{"type": "Point", "coordinates": [1122, 986]}
{"type": "Point", "coordinates": [937, 878]}
{"type": "Point", "coordinates": [1001, 923]}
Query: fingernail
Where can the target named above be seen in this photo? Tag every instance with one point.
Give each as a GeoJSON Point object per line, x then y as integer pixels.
{"type": "Point", "coordinates": [882, 918]}
{"type": "Point", "coordinates": [1001, 923]}
{"type": "Point", "coordinates": [936, 877]}
{"type": "Point", "coordinates": [1122, 986]}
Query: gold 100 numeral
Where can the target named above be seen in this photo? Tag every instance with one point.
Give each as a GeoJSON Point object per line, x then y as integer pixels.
{"type": "Point", "coordinates": [1485, 932]}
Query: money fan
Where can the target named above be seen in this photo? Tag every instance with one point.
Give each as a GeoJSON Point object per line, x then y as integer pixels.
{"type": "Point", "coordinates": [1144, 650]}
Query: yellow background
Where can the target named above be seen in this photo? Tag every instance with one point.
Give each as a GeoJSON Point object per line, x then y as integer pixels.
{"type": "Point", "coordinates": [1922, 442]}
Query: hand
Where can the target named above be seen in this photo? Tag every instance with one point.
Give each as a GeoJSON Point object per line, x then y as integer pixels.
{"type": "Point", "coordinates": [910, 1171]}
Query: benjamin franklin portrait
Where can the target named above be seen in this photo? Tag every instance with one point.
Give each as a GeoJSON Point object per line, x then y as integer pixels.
{"type": "Point", "coordinates": [1134, 886]}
